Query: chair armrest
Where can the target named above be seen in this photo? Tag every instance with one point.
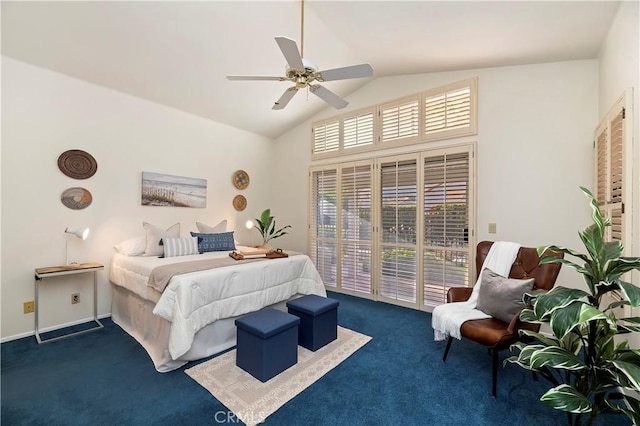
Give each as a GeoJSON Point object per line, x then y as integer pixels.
{"type": "Point", "coordinates": [458, 294]}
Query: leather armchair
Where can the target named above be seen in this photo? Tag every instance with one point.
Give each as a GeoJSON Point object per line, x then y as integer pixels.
{"type": "Point", "coordinates": [491, 332]}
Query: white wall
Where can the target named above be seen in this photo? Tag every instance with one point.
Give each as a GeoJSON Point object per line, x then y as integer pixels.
{"type": "Point", "coordinates": [534, 150]}
{"type": "Point", "coordinates": [45, 114]}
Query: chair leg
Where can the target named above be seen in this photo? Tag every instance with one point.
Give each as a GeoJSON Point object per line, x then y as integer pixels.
{"type": "Point", "coordinates": [446, 350]}
{"type": "Point", "coordinates": [494, 362]}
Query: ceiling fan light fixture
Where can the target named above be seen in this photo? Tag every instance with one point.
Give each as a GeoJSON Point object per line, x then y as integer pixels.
{"type": "Point", "coordinates": [303, 72]}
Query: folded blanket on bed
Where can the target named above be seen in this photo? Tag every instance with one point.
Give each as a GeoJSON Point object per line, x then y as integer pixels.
{"type": "Point", "coordinates": [161, 275]}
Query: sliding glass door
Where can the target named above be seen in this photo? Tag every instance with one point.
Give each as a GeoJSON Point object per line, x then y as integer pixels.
{"type": "Point", "coordinates": [397, 229]}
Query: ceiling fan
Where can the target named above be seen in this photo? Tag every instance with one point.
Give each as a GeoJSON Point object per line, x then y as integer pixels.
{"type": "Point", "coordinates": [304, 73]}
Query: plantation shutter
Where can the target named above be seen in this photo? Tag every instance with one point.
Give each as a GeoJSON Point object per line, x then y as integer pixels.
{"type": "Point", "coordinates": [451, 112]}
{"type": "Point", "coordinates": [326, 137]}
{"type": "Point", "coordinates": [446, 252]}
{"type": "Point", "coordinates": [400, 120]}
{"type": "Point", "coordinates": [355, 228]}
{"type": "Point", "coordinates": [610, 170]}
{"type": "Point", "coordinates": [323, 223]}
{"type": "Point", "coordinates": [358, 130]}
{"type": "Point", "coordinates": [398, 224]}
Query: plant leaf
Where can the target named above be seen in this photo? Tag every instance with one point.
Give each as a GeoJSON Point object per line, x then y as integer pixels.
{"type": "Point", "coordinates": [556, 357]}
{"type": "Point", "coordinates": [633, 414]}
{"type": "Point", "coordinates": [547, 340]}
{"type": "Point", "coordinates": [578, 312]}
{"type": "Point", "coordinates": [565, 250]}
{"type": "Point", "coordinates": [631, 293]}
{"type": "Point", "coordinates": [557, 298]}
{"type": "Point", "coordinates": [566, 398]}
{"type": "Point", "coordinates": [631, 371]}
{"type": "Point", "coordinates": [596, 214]}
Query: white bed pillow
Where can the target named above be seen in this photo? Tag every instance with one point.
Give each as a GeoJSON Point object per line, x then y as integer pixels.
{"type": "Point", "coordinates": [180, 246]}
{"type": "Point", "coordinates": [132, 247]}
{"type": "Point", "coordinates": [218, 229]}
{"type": "Point", "coordinates": [154, 234]}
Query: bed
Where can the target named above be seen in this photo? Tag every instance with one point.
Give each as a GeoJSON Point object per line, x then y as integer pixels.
{"type": "Point", "coordinates": [193, 317]}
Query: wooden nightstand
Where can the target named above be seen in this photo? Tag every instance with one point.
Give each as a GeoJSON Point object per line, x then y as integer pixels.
{"type": "Point", "coordinates": [56, 271]}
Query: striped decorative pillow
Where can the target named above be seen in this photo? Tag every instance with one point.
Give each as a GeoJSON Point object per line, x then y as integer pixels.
{"type": "Point", "coordinates": [180, 246]}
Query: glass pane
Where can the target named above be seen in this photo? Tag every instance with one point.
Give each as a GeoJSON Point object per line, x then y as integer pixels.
{"type": "Point", "coordinates": [398, 278]}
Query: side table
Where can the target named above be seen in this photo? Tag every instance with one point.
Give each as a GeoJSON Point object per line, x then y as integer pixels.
{"type": "Point", "coordinates": [56, 271]}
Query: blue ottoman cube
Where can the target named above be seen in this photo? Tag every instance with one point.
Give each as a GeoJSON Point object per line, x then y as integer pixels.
{"type": "Point", "coordinates": [267, 343]}
{"type": "Point", "coordinates": [318, 320]}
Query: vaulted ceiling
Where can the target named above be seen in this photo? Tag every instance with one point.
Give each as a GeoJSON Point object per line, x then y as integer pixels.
{"type": "Point", "coordinates": [178, 53]}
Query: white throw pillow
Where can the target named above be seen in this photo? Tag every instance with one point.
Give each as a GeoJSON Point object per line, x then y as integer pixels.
{"type": "Point", "coordinates": [180, 246]}
{"type": "Point", "coordinates": [218, 229]}
{"type": "Point", "coordinates": [132, 247]}
{"type": "Point", "coordinates": [155, 234]}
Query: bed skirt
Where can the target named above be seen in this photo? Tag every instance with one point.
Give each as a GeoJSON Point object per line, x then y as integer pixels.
{"type": "Point", "coordinates": [135, 316]}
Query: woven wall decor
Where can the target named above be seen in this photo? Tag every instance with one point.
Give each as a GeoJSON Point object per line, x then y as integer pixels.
{"type": "Point", "coordinates": [240, 179]}
{"type": "Point", "coordinates": [239, 202]}
{"type": "Point", "coordinates": [77, 164]}
{"type": "Point", "coordinates": [76, 198]}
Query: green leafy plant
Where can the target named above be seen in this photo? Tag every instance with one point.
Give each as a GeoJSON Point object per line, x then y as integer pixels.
{"type": "Point", "coordinates": [266, 225]}
{"type": "Point", "coordinates": [590, 367]}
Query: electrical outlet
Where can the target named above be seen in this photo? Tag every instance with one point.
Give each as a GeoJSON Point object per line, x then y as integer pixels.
{"type": "Point", "coordinates": [492, 228]}
{"type": "Point", "coordinates": [75, 298]}
{"type": "Point", "coordinates": [29, 307]}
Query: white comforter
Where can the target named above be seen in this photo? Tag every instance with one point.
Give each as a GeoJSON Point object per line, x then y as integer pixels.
{"type": "Point", "coordinates": [193, 300]}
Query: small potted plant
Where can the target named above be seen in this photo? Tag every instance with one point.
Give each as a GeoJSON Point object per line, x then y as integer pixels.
{"type": "Point", "coordinates": [591, 368]}
{"type": "Point", "coordinates": [266, 225]}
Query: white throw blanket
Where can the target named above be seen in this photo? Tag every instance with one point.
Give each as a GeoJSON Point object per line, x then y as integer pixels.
{"type": "Point", "coordinates": [448, 318]}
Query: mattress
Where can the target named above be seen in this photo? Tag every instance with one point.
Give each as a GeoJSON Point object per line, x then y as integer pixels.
{"type": "Point", "coordinates": [193, 300]}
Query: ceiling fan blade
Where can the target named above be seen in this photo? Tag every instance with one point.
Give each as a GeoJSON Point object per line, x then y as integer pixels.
{"type": "Point", "coordinates": [353, 71]}
{"type": "Point", "coordinates": [291, 53]}
{"type": "Point", "coordinates": [328, 96]}
{"type": "Point", "coordinates": [285, 98]}
{"type": "Point", "coordinates": [254, 77]}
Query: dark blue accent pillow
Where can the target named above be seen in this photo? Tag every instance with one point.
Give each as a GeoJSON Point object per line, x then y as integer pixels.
{"type": "Point", "coordinates": [215, 242]}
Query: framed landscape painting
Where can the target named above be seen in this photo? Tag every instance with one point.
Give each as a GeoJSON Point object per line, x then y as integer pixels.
{"type": "Point", "coordinates": [159, 189]}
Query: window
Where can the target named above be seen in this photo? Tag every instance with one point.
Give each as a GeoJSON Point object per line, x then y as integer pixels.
{"type": "Point", "coordinates": [401, 228]}
{"type": "Point", "coordinates": [446, 205]}
{"type": "Point", "coordinates": [611, 141]}
{"type": "Point", "coordinates": [450, 112]}
{"type": "Point", "coordinates": [355, 227]}
{"type": "Point", "coordinates": [324, 223]}
{"type": "Point", "coordinates": [400, 120]}
{"type": "Point", "coordinates": [398, 229]}
{"type": "Point", "coordinates": [441, 113]}
{"type": "Point", "coordinates": [358, 130]}
{"type": "Point", "coordinates": [326, 136]}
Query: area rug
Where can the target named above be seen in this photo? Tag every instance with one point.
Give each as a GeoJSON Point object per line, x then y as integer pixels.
{"type": "Point", "coordinates": [252, 401]}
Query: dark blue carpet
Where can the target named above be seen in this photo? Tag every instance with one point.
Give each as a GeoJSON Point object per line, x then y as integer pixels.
{"type": "Point", "coordinates": [398, 378]}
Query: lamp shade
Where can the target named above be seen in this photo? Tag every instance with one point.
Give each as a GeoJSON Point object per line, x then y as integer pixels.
{"type": "Point", "coordinates": [249, 224]}
{"type": "Point", "coordinates": [81, 233]}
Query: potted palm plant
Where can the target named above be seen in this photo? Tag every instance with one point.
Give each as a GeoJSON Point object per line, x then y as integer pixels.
{"type": "Point", "coordinates": [266, 225]}
{"type": "Point", "coordinates": [592, 369]}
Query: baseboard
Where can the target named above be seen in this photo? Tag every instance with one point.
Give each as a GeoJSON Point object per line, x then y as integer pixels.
{"type": "Point", "coordinates": [55, 327]}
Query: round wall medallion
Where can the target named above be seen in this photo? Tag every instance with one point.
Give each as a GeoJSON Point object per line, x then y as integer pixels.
{"type": "Point", "coordinates": [77, 164]}
{"type": "Point", "coordinates": [240, 179]}
{"type": "Point", "coordinates": [76, 198]}
{"type": "Point", "coordinates": [239, 202]}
